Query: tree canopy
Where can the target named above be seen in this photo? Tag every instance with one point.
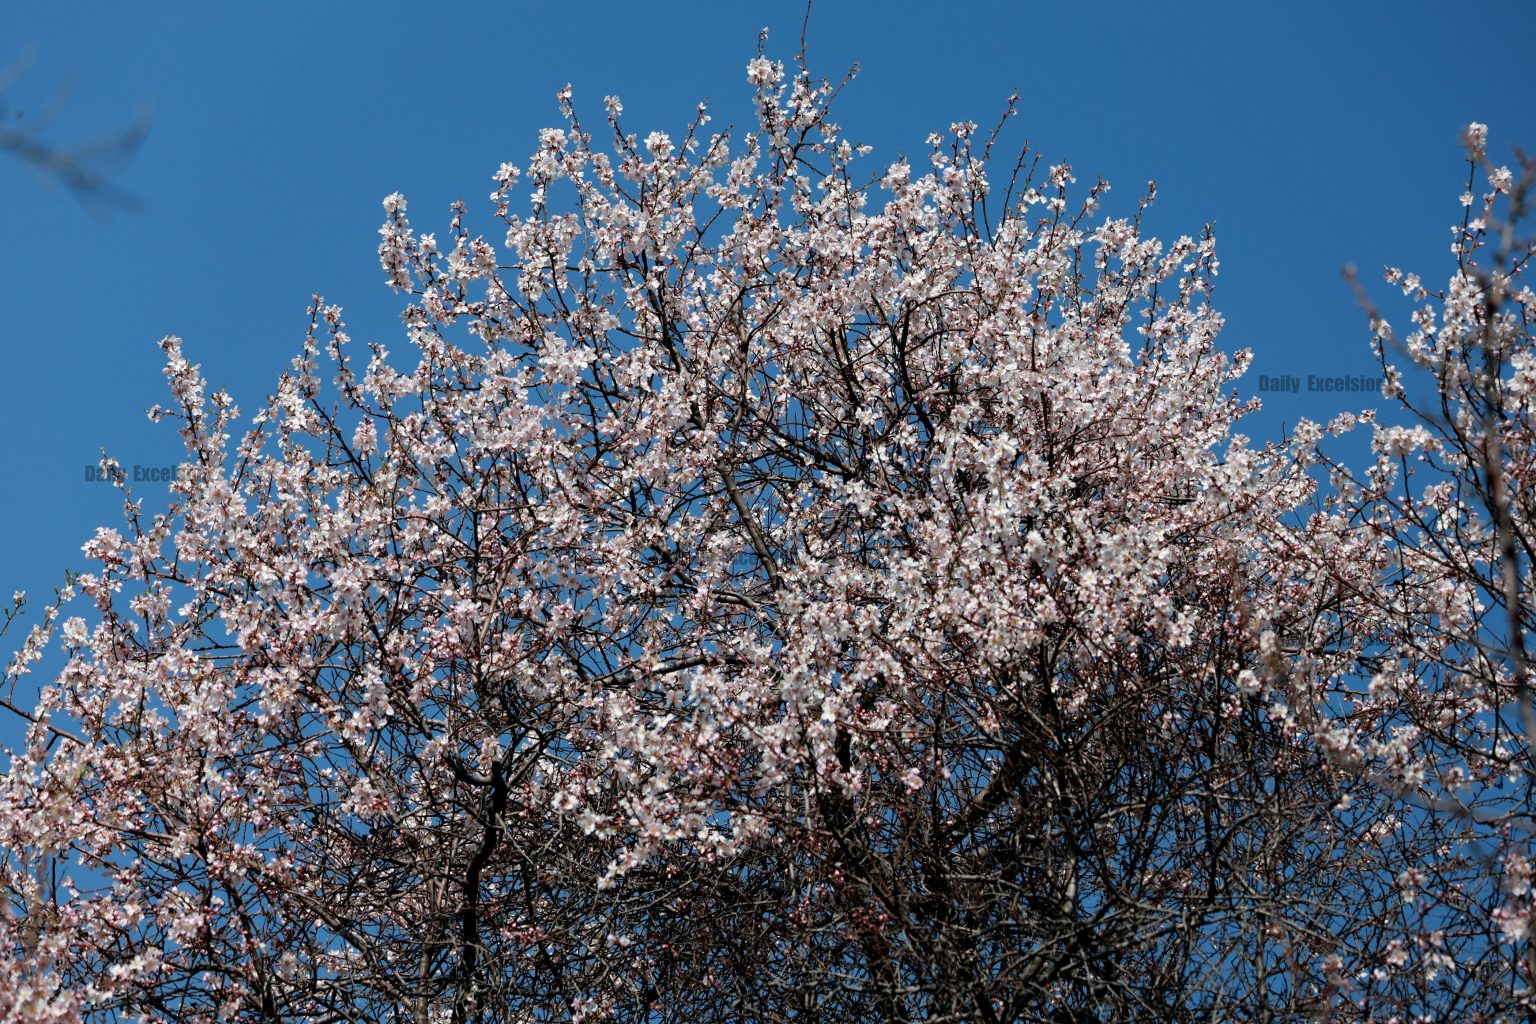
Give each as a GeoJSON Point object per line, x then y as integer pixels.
{"type": "Point", "coordinates": [777, 588]}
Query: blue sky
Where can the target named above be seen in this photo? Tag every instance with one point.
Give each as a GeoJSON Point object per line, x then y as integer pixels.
{"type": "Point", "coordinates": [1311, 135]}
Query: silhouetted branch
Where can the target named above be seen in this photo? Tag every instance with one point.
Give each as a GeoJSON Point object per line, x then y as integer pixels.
{"type": "Point", "coordinates": [86, 168]}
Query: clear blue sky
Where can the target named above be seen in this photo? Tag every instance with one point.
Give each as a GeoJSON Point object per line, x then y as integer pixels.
{"type": "Point", "coordinates": [1310, 134]}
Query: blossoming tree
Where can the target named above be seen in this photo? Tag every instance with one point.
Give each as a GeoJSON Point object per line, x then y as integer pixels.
{"type": "Point", "coordinates": [1415, 673]}
{"type": "Point", "coordinates": [773, 590]}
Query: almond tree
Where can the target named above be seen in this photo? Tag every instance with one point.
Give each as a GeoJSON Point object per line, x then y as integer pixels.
{"type": "Point", "coordinates": [772, 589]}
{"type": "Point", "coordinates": [1415, 671]}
